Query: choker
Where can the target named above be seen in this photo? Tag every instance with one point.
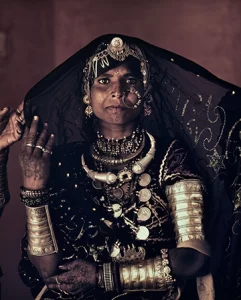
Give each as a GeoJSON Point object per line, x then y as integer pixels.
{"type": "Point", "coordinates": [113, 147]}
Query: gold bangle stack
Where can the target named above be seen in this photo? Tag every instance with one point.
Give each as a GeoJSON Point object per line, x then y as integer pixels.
{"type": "Point", "coordinates": [186, 201]}
{"type": "Point", "coordinates": [151, 274]}
{"type": "Point", "coordinates": [4, 192]}
{"type": "Point", "coordinates": [41, 238]}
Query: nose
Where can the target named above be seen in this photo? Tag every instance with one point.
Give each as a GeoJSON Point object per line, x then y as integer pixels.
{"type": "Point", "coordinates": [117, 91]}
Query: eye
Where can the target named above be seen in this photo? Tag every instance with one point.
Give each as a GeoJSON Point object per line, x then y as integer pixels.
{"type": "Point", "coordinates": [104, 81]}
{"type": "Point", "coordinates": [131, 81]}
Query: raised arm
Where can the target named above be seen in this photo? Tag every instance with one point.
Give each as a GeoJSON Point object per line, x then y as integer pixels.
{"type": "Point", "coordinates": [35, 160]}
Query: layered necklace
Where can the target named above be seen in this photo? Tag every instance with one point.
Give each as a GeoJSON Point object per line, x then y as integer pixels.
{"type": "Point", "coordinates": [132, 173]}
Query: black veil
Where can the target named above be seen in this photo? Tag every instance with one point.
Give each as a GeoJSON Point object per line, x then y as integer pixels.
{"type": "Point", "coordinates": [188, 103]}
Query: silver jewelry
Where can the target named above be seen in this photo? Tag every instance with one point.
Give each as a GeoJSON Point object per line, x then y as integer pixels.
{"type": "Point", "coordinates": [138, 168]}
{"type": "Point", "coordinates": [57, 281]}
{"type": "Point", "coordinates": [47, 151]}
{"type": "Point", "coordinates": [30, 145]}
{"type": "Point", "coordinates": [18, 111]}
{"type": "Point", "coordinates": [40, 147]}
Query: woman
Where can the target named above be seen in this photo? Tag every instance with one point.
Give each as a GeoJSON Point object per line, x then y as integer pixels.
{"type": "Point", "coordinates": [120, 211]}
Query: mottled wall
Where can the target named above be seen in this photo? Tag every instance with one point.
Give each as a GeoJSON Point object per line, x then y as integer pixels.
{"type": "Point", "coordinates": [207, 32]}
{"type": "Point", "coordinates": [43, 34]}
{"type": "Point", "coordinates": [29, 26]}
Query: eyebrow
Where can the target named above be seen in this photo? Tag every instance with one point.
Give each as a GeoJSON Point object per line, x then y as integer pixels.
{"type": "Point", "coordinates": [108, 75]}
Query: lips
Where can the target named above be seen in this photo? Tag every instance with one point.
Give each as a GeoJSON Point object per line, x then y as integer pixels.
{"type": "Point", "coordinates": [115, 109]}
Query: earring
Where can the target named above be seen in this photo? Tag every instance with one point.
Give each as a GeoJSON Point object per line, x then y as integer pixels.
{"type": "Point", "coordinates": [88, 110]}
{"type": "Point", "coordinates": [147, 109]}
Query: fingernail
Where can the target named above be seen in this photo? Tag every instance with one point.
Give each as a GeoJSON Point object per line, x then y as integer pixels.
{"type": "Point", "coordinates": [52, 135]}
{"type": "Point", "coordinates": [5, 108]}
{"type": "Point", "coordinates": [61, 267]}
{"type": "Point", "coordinates": [35, 118]}
{"type": "Point", "coordinates": [45, 124]}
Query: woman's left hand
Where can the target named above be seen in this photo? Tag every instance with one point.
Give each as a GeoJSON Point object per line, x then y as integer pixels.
{"type": "Point", "coordinates": [11, 126]}
{"type": "Point", "coordinates": [79, 277]}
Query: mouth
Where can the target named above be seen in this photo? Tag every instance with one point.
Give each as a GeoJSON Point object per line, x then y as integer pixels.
{"type": "Point", "coordinates": [114, 108]}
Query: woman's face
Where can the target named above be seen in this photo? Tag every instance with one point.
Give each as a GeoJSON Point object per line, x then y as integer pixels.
{"type": "Point", "coordinates": [111, 90]}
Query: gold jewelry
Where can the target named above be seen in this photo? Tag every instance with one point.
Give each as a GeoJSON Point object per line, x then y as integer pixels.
{"type": "Point", "coordinates": [41, 238]}
{"type": "Point", "coordinates": [89, 111]}
{"type": "Point", "coordinates": [186, 202]}
{"type": "Point", "coordinates": [138, 167]}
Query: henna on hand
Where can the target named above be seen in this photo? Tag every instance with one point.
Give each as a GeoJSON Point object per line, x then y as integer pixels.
{"type": "Point", "coordinates": [35, 156]}
{"type": "Point", "coordinates": [80, 276]}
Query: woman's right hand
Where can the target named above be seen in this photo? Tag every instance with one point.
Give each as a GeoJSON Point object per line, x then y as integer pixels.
{"type": "Point", "coordinates": [35, 156]}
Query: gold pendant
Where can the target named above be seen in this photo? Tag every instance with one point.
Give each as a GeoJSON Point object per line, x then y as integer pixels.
{"type": "Point", "coordinates": [144, 180]}
{"type": "Point", "coordinates": [117, 209]}
{"type": "Point", "coordinates": [124, 176]}
{"type": "Point", "coordinates": [143, 214]}
{"type": "Point", "coordinates": [142, 233]}
{"type": "Point", "coordinates": [144, 195]}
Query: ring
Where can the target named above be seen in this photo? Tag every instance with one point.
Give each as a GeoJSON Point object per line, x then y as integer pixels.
{"type": "Point", "coordinates": [56, 279]}
{"type": "Point", "coordinates": [18, 111]}
{"type": "Point", "coordinates": [30, 145]}
{"type": "Point", "coordinates": [47, 151]}
{"type": "Point", "coordinates": [40, 147]}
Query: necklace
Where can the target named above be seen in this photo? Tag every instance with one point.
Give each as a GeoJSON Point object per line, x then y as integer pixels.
{"type": "Point", "coordinates": [114, 147]}
{"type": "Point", "coordinates": [138, 167]}
{"type": "Point", "coordinates": [110, 161]}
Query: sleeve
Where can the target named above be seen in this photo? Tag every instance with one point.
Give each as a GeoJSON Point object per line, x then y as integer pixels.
{"type": "Point", "coordinates": [186, 193]}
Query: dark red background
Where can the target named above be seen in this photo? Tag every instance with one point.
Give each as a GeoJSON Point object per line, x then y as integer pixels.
{"type": "Point", "coordinates": [42, 34]}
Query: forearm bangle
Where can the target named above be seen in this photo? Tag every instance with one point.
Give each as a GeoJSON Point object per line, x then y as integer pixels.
{"type": "Point", "coordinates": [186, 202]}
{"type": "Point", "coordinates": [41, 238]}
{"type": "Point", "coordinates": [151, 274]}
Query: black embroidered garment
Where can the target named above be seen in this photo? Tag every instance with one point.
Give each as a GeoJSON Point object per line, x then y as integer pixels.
{"type": "Point", "coordinates": [82, 224]}
{"type": "Point", "coordinates": [189, 104]}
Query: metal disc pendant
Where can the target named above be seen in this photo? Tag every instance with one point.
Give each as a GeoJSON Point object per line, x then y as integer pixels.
{"type": "Point", "coordinates": [97, 184]}
{"type": "Point", "coordinates": [143, 214]}
{"type": "Point", "coordinates": [117, 209]}
{"type": "Point", "coordinates": [144, 195]}
{"type": "Point", "coordinates": [142, 233]}
{"type": "Point", "coordinates": [117, 193]}
{"type": "Point", "coordinates": [144, 180]}
{"type": "Point", "coordinates": [124, 176]}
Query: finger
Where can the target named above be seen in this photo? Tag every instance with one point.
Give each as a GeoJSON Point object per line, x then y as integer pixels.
{"type": "Point", "coordinates": [41, 141]}
{"type": "Point", "coordinates": [52, 279]}
{"type": "Point", "coordinates": [19, 109]}
{"type": "Point", "coordinates": [68, 266]}
{"type": "Point", "coordinates": [4, 114]}
{"type": "Point", "coordinates": [32, 135]}
{"type": "Point", "coordinates": [62, 287]}
{"type": "Point", "coordinates": [48, 147]}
